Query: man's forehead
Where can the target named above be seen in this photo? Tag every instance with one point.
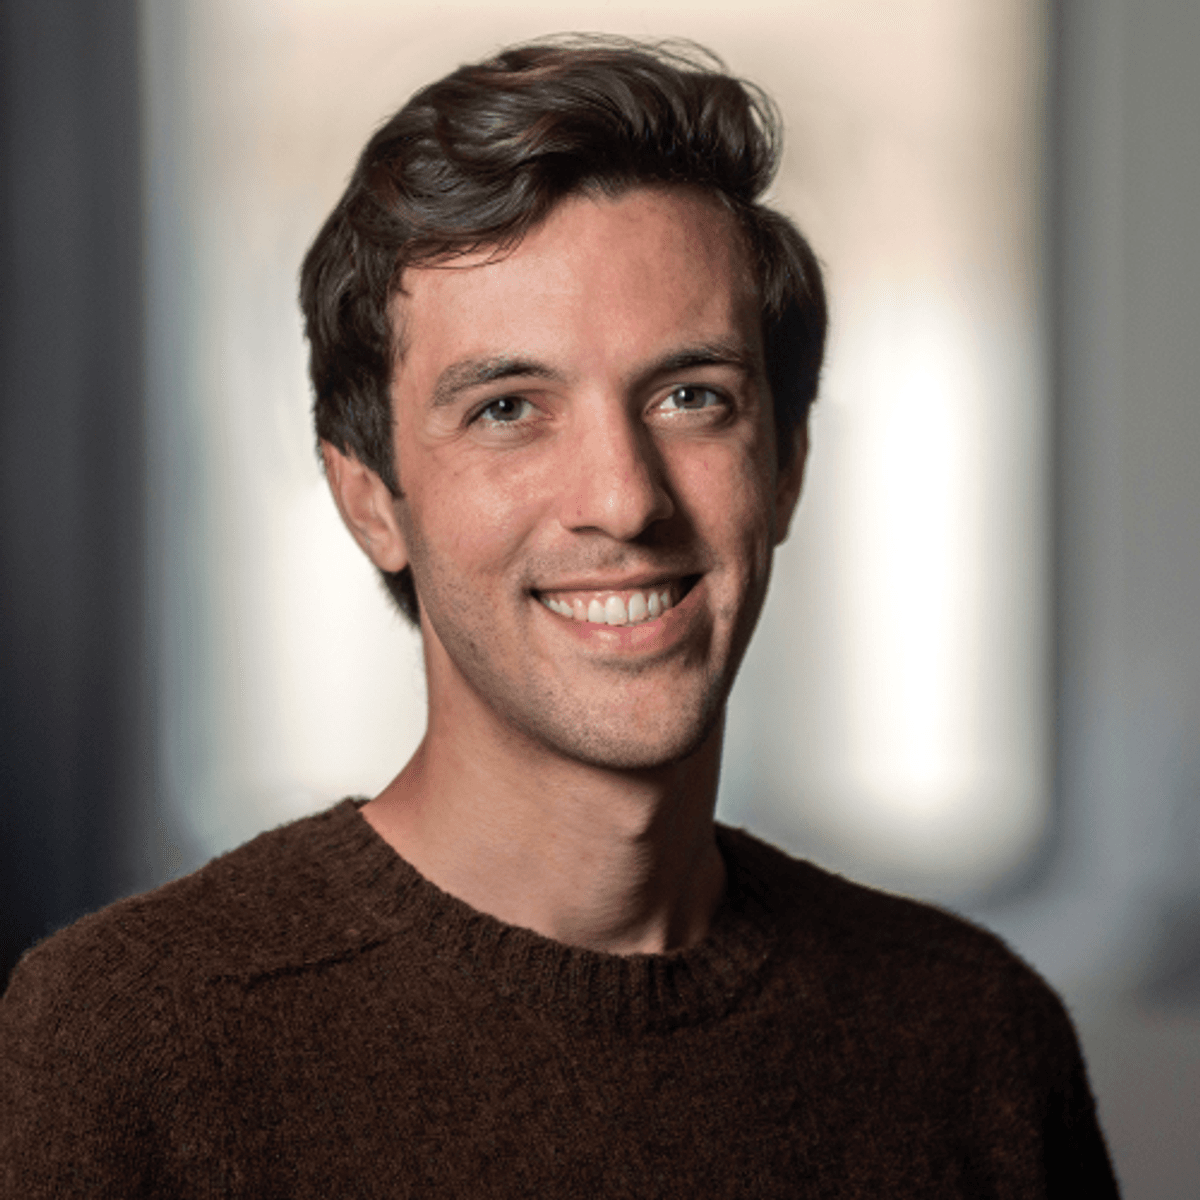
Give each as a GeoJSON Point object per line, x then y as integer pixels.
{"type": "Point", "coordinates": [667, 262]}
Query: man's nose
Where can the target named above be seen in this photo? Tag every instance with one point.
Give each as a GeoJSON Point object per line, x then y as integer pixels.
{"type": "Point", "coordinates": [616, 480]}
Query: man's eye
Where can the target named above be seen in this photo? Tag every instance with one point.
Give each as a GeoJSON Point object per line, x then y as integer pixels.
{"type": "Point", "coordinates": [505, 411]}
{"type": "Point", "coordinates": [692, 399]}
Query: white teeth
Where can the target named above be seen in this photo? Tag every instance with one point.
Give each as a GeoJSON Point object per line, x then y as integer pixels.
{"type": "Point", "coordinates": [612, 610]}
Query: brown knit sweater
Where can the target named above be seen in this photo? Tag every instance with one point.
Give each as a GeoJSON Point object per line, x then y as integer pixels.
{"type": "Point", "coordinates": [308, 1017]}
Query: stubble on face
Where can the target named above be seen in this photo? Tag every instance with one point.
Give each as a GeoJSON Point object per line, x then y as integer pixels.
{"type": "Point", "coordinates": [606, 724]}
{"type": "Point", "coordinates": [601, 289]}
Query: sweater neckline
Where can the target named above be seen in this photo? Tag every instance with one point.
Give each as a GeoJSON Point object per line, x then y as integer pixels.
{"type": "Point", "coordinates": [636, 992]}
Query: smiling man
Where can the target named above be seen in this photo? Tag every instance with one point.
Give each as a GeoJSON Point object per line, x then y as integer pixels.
{"type": "Point", "coordinates": [563, 358]}
{"type": "Point", "coordinates": [589, 495]}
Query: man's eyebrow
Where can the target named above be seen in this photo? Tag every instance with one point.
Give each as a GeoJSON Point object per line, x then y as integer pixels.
{"type": "Point", "coordinates": [705, 354]}
{"type": "Point", "coordinates": [470, 373]}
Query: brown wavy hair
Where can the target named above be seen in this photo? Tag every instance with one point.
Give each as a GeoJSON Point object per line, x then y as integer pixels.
{"type": "Point", "coordinates": [477, 159]}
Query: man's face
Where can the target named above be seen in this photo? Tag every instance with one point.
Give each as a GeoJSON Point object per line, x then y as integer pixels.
{"type": "Point", "coordinates": [585, 445]}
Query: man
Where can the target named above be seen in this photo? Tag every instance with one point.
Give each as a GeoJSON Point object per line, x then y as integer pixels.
{"type": "Point", "coordinates": [562, 360]}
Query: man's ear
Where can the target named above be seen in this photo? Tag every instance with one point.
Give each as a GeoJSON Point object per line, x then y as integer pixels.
{"type": "Point", "coordinates": [368, 508]}
{"type": "Point", "coordinates": [789, 483]}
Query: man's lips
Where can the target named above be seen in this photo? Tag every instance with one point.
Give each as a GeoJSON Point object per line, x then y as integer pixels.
{"type": "Point", "coordinates": [617, 606]}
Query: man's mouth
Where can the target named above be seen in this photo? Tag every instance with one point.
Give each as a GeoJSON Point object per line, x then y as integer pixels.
{"type": "Point", "coordinates": [618, 606]}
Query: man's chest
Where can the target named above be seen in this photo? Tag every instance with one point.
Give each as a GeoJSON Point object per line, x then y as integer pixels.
{"type": "Point", "coordinates": [435, 1091]}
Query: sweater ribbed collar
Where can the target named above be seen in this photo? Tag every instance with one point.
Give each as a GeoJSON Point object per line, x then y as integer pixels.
{"type": "Point", "coordinates": [636, 992]}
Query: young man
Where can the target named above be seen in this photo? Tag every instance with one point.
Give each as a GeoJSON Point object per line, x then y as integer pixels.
{"type": "Point", "coordinates": [562, 360]}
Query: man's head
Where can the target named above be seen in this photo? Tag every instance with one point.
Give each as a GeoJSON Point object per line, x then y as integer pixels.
{"type": "Point", "coordinates": [478, 160]}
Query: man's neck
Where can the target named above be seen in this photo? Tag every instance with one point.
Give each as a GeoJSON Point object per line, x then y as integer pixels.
{"type": "Point", "coordinates": [619, 861]}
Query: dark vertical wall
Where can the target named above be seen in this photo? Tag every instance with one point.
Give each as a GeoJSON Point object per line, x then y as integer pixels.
{"type": "Point", "coordinates": [74, 743]}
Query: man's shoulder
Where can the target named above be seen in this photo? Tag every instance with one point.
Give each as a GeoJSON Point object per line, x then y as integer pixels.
{"type": "Point", "coordinates": [874, 949]}
{"type": "Point", "coordinates": [927, 1019]}
{"type": "Point", "coordinates": [275, 901]}
{"type": "Point", "coordinates": [107, 1026]}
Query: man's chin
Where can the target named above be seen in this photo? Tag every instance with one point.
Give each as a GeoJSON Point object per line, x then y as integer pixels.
{"type": "Point", "coordinates": [629, 748]}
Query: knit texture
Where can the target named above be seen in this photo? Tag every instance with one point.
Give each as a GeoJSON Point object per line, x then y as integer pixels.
{"type": "Point", "coordinates": [308, 1016]}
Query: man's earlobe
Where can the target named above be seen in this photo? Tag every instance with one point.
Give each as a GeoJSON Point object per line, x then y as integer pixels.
{"type": "Point", "coordinates": [789, 483]}
{"type": "Point", "coordinates": [367, 507]}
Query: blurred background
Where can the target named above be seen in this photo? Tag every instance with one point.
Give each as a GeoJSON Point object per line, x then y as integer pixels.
{"type": "Point", "coordinates": [977, 679]}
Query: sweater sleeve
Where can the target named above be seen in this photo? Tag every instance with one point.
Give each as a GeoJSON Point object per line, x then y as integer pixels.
{"type": "Point", "coordinates": [90, 1063]}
